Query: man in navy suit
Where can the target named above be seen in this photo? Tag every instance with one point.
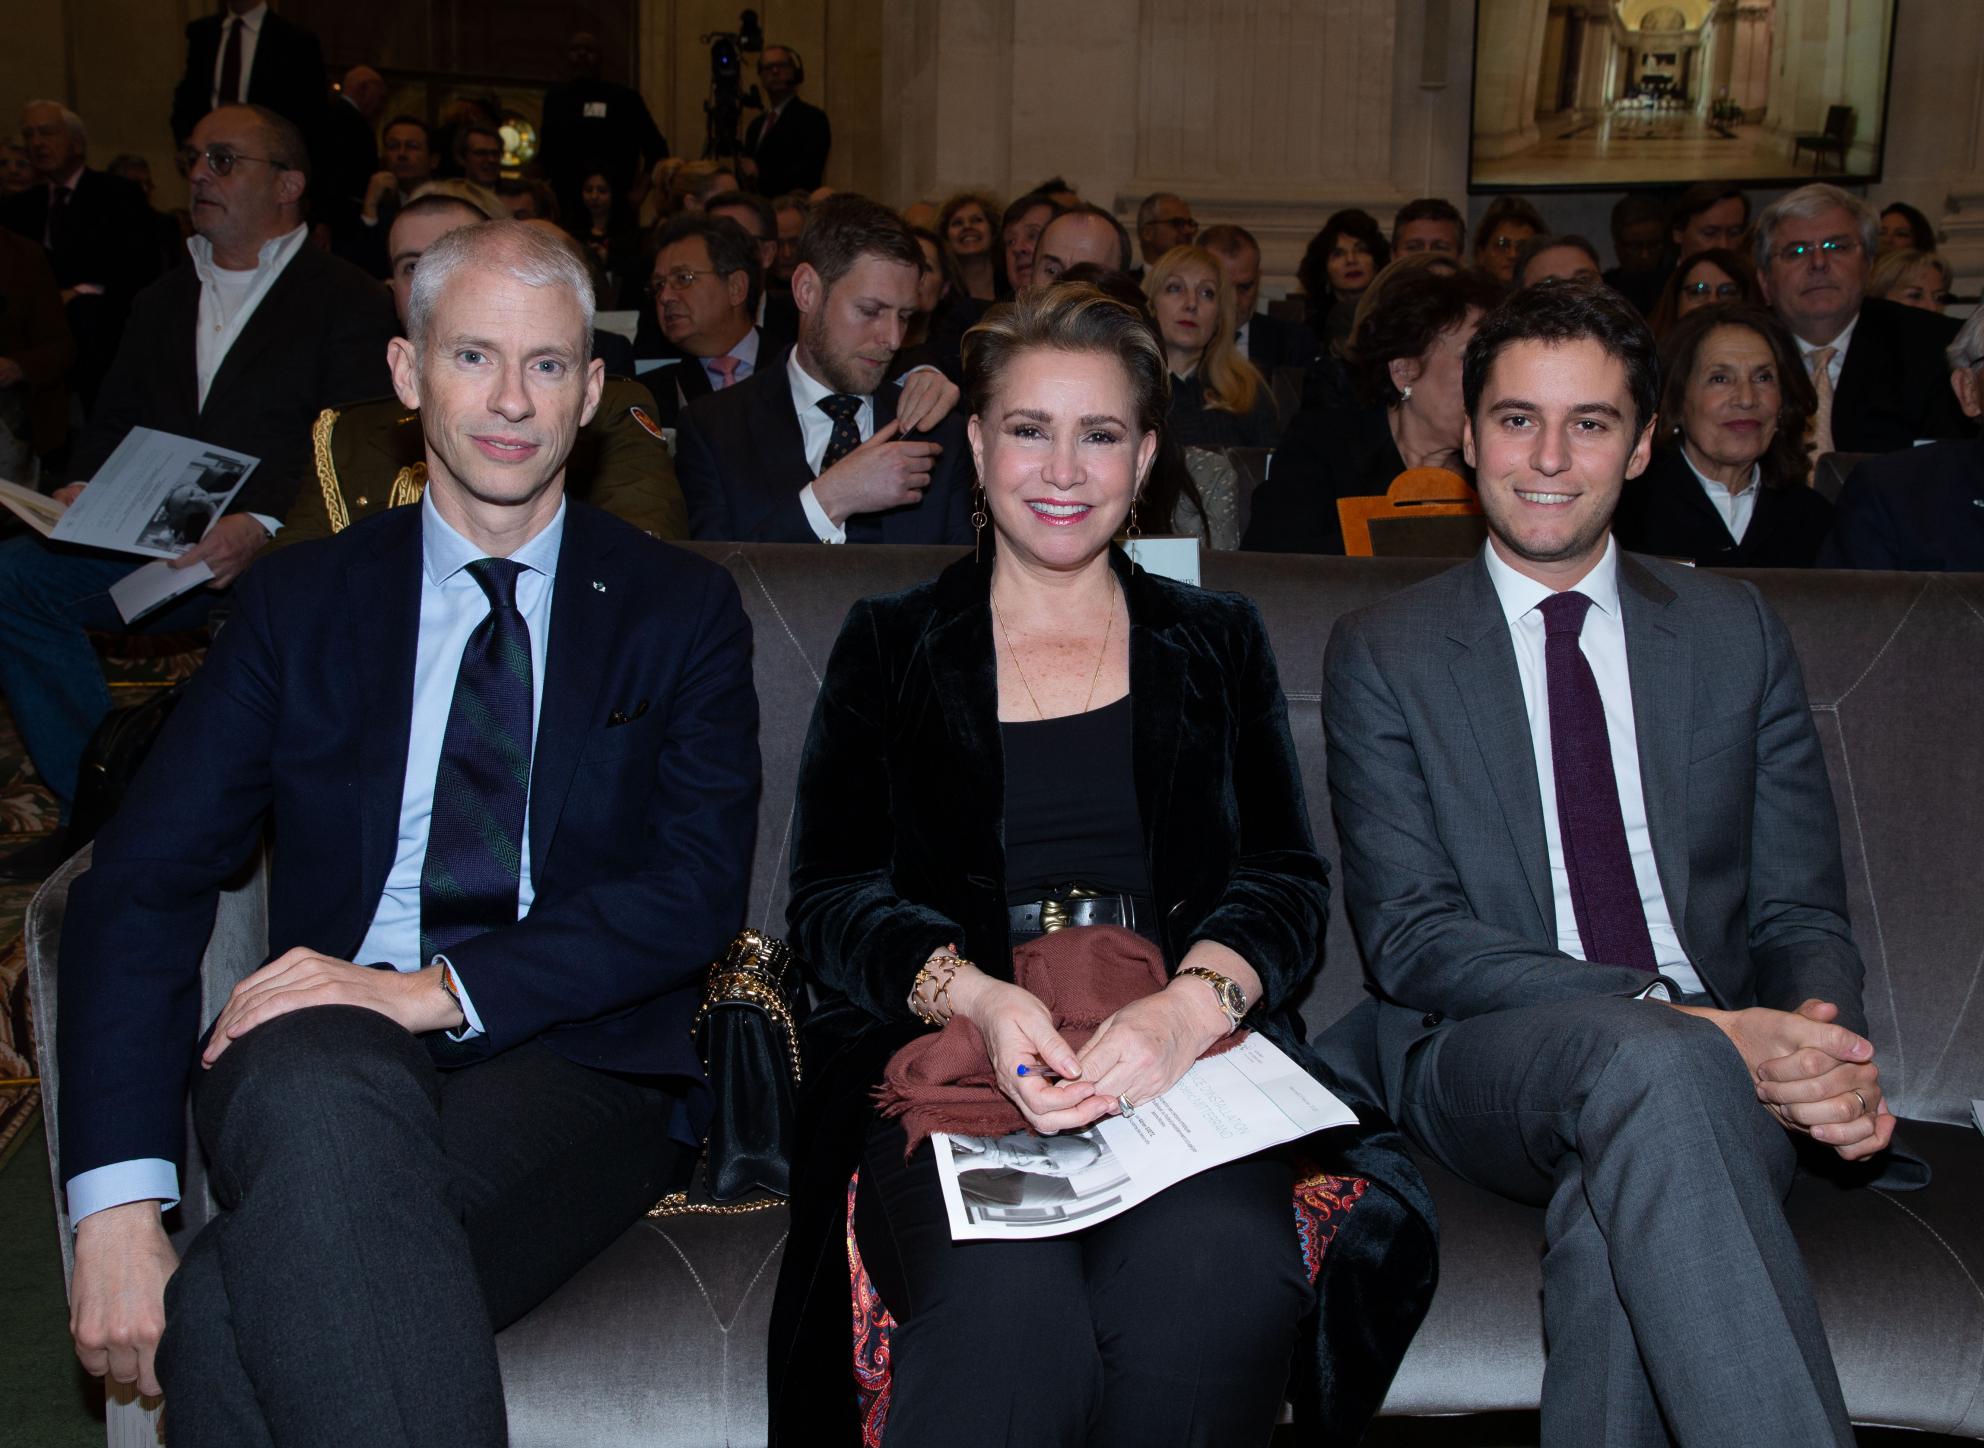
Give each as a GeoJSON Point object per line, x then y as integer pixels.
{"type": "Point", "coordinates": [815, 446]}
{"type": "Point", "coordinates": [506, 747]}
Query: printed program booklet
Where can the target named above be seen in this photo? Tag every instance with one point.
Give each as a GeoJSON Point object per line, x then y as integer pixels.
{"type": "Point", "coordinates": [155, 496]}
{"type": "Point", "coordinates": [1226, 1107]}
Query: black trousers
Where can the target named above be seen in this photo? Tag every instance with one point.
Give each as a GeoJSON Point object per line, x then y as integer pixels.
{"type": "Point", "coordinates": [1171, 1324]}
{"type": "Point", "coordinates": [380, 1220]}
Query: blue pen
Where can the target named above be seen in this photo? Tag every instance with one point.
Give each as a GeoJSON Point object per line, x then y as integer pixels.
{"type": "Point", "coordinates": [1039, 1071]}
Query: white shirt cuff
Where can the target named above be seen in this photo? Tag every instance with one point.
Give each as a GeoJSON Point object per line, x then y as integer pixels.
{"type": "Point", "coordinates": [824, 528]}
{"type": "Point", "coordinates": [271, 526]}
{"type": "Point", "coordinates": [146, 1179]}
{"type": "Point", "coordinates": [472, 1026]}
{"type": "Point", "coordinates": [1659, 990]}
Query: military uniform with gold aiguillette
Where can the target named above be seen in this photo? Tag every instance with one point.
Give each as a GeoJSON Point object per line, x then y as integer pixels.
{"type": "Point", "coordinates": [372, 455]}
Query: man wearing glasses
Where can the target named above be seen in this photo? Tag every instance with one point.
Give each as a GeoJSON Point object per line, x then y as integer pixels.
{"type": "Point", "coordinates": [243, 348]}
{"type": "Point", "coordinates": [704, 290]}
{"type": "Point", "coordinates": [1164, 221]}
{"type": "Point", "coordinates": [1877, 367]}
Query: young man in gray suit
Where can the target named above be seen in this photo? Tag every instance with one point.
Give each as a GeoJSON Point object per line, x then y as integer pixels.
{"type": "Point", "coordinates": [1589, 851]}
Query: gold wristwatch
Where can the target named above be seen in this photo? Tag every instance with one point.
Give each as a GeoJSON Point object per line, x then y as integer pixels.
{"type": "Point", "coordinates": [1226, 991]}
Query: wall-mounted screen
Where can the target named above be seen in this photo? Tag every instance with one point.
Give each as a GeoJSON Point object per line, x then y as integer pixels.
{"type": "Point", "coordinates": [1604, 94]}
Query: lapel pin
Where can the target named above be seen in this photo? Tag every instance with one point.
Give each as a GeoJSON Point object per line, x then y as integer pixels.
{"type": "Point", "coordinates": [598, 587]}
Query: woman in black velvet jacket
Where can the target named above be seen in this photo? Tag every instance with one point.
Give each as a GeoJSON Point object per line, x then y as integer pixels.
{"type": "Point", "coordinates": [902, 858]}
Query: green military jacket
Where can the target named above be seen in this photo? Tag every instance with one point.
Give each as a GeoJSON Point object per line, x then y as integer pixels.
{"type": "Point", "coordinates": [371, 455]}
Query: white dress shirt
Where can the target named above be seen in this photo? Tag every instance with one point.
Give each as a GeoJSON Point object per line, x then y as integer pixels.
{"type": "Point", "coordinates": [228, 298]}
{"type": "Point", "coordinates": [1736, 508]}
{"type": "Point", "coordinates": [250, 23]}
{"type": "Point", "coordinates": [452, 604]}
{"type": "Point", "coordinates": [1838, 344]}
{"type": "Point", "coordinates": [817, 429]}
{"type": "Point", "coordinates": [1603, 642]}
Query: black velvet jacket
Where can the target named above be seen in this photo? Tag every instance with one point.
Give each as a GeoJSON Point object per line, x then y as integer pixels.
{"type": "Point", "coordinates": [898, 850]}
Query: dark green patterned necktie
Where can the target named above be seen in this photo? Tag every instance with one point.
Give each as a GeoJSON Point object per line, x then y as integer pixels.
{"type": "Point", "coordinates": [468, 879]}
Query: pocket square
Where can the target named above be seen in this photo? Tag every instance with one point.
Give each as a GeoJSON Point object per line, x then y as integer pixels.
{"type": "Point", "coordinates": [622, 716]}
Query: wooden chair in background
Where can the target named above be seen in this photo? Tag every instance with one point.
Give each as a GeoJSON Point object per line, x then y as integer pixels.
{"type": "Point", "coordinates": [1426, 513]}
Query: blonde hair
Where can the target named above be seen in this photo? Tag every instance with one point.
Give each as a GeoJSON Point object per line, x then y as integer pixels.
{"type": "Point", "coordinates": [1232, 383]}
{"type": "Point", "coordinates": [1069, 317]}
{"type": "Point", "coordinates": [1891, 269]}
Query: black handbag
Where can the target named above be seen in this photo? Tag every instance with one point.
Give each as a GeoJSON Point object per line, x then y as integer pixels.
{"type": "Point", "coordinates": [748, 1032]}
{"type": "Point", "coordinates": [111, 759]}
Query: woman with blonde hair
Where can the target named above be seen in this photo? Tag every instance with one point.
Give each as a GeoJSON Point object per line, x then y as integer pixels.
{"type": "Point", "coordinates": [1218, 399]}
{"type": "Point", "coordinates": [1912, 278]}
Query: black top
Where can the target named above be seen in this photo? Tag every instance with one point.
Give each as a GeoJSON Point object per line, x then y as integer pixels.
{"type": "Point", "coordinates": [1345, 452]}
{"type": "Point", "coordinates": [1664, 511]}
{"type": "Point", "coordinates": [1193, 424]}
{"type": "Point", "coordinates": [1071, 806]}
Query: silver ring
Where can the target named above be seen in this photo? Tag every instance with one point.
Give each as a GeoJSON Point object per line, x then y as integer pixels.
{"type": "Point", "coordinates": [1123, 1105]}
{"type": "Point", "coordinates": [1864, 1111]}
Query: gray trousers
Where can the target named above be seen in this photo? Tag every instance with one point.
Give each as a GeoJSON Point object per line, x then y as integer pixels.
{"type": "Point", "coordinates": [380, 1220]}
{"type": "Point", "coordinates": [1676, 1305]}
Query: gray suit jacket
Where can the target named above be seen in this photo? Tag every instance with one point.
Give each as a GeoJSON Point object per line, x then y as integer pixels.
{"type": "Point", "coordinates": [1446, 872]}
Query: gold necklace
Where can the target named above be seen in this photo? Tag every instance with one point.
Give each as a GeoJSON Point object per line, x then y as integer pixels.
{"type": "Point", "coordinates": [1108, 628]}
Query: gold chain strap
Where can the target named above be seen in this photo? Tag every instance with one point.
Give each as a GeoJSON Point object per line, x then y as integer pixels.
{"type": "Point", "coordinates": [756, 971]}
{"type": "Point", "coordinates": [677, 1204]}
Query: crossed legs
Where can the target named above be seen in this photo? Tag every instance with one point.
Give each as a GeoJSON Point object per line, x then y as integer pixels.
{"type": "Point", "coordinates": [380, 1220]}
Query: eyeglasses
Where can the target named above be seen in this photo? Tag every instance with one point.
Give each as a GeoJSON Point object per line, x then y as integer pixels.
{"type": "Point", "coordinates": [1505, 242]}
{"type": "Point", "coordinates": [680, 280]}
{"type": "Point", "coordinates": [1832, 246]}
{"type": "Point", "coordinates": [1721, 291]}
{"type": "Point", "coordinates": [220, 159]}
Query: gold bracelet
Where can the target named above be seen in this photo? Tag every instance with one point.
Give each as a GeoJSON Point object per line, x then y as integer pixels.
{"type": "Point", "coordinates": [941, 969]}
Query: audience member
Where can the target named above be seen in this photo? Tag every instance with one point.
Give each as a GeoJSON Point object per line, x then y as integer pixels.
{"type": "Point", "coordinates": [1903, 228]}
{"type": "Point", "coordinates": [349, 151]}
{"type": "Point", "coordinates": [1921, 508]}
{"type": "Point", "coordinates": [1698, 901]}
{"type": "Point", "coordinates": [1508, 222]}
{"type": "Point", "coordinates": [791, 210]}
{"type": "Point", "coordinates": [921, 214]}
{"type": "Point", "coordinates": [1406, 352]}
{"type": "Point", "coordinates": [98, 230]}
{"type": "Point", "coordinates": [1709, 278]}
{"type": "Point", "coordinates": [16, 171]}
{"type": "Point", "coordinates": [459, 116]}
{"type": "Point", "coordinates": [1429, 224]}
{"type": "Point", "coordinates": [1019, 236]}
{"type": "Point", "coordinates": [1164, 220]}
{"type": "Point", "coordinates": [243, 348]}
{"type": "Point", "coordinates": [248, 53]}
{"type": "Point", "coordinates": [528, 200]}
{"type": "Point", "coordinates": [480, 149]}
{"type": "Point", "coordinates": [1709, 214]}
{"type": "Point", "coordinates": [1877, 365]}
{"type": "Point", "coordinates": [406, 153]}
{"type": "Point", "coordinates": [36, 353]}
{"type": "Point", "coordinates": [774, 313]}
{"type": "Point", "coordinates": [1639, 241]}
{"type": "Point", "coordinates": [604, 223]}
{"type": "Point", "coordinates": [1566, 258]}
{"type": "Point", "coordinates": [1083, 233]}
{"type": "Point", "coordinates": [359, 708]}
{"type": "Point", "coordinates": [705, 286]}
{"type": "Point", "coordinates": [591, 123]}
{"type": "Point", "coordinates": [1912, 278]}
{"type": "Point", "coordinates": [370, 455]}
{"type": "Point", "coordinates": [786, 145]}
{"type": "Point", "coordinates": [168, 239]}
{"type": "Point", "coordinates": [1218, 398]}
{"type": "Point", "coordinates": [1339, 263]}
{"type": "Point", "coordinates": [932, 286]}
{"type": "Point", "coordinates": [692, 184]}
{"type": "Point", "coordinates": [817, 444]}
{"type": "Point", "coordinates": [1727, 484]}
{"type": "Point", "coordinates": [965, 223]}
{"type": "Point", "coordinates": [1059, 191]}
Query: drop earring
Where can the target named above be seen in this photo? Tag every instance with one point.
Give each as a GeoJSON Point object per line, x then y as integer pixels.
{"type": "Point", "coordinates": [1133, 532]}
{"type": "Point", "coordinates": [978, 522]}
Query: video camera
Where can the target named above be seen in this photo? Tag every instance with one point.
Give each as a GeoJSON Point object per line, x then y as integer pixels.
{"type": "Point", "coordinates": [724, 109]}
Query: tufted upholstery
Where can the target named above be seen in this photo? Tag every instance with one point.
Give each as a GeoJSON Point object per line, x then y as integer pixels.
{"type": "Point", "coordinates": [661, 1339]}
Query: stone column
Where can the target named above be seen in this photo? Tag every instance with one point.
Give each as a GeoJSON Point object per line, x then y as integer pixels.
{"type": "Point", "coordinates": [1511, 40]}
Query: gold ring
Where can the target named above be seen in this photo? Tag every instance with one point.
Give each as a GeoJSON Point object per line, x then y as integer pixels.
{"type": "Point", "coordinates": [1864, 1111]}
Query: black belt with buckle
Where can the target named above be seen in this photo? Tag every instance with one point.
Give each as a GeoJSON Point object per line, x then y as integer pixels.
{"type": "Point", "coordinates": [1044, 917]}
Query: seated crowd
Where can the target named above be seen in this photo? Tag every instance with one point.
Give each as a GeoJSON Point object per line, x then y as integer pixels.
{"type": "Point", "coordinates": [507, 739]}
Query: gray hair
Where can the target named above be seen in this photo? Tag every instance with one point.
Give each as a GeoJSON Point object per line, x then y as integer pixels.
{"type": "Point", "coordinates": [1810, 201]}
{"type": "Point", "coordinates": [525, 253]}
{"type": "Point", "coordinates": [1966, 349]}
{"type": "Point", "coordinates": [71, 122]}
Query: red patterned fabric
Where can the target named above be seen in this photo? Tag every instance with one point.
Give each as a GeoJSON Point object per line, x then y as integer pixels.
{"type": "Point", "coordinates": [1321, 1199]}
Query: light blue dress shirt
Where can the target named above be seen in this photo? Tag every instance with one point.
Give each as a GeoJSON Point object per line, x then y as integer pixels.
{"type": "Point", "coordinates": [452, 604]}
{"type": "Point", "coordinates": [746, 353]}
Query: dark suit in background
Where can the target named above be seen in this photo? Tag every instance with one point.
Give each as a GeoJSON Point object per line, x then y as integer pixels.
{"type": "Point", "coordinates": [478, 1188]}
{"type": "Point", "coordinates": [1272, 343]}
{"type": "Point", "coordinates": [1921, 509]}
{"type": "Point", "coordinates": [596, 123]}
{"type": "Point", "coordinates": [741, 458]}
{"type": "Point", "coordinates": [1675, 1298]}
{"type": "Point", "coordinates": [794, 156]}
{"type": "Point", "coordinates": [1665, 512]}
{"type": "Point", "coordinates": [1894, 386]}
{"type": "Point", "coordinates": [105, 237]}
{"type": "Point", "coordinates": [1345, 452]}
{"type": "Point", "coordinates": [346, 163]}
{"type": "Point", "coordinates": [287, 76]}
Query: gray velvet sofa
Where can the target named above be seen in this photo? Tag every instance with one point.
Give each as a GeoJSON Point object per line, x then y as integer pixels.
{"type": "Point", "coordinates": [661, 1339]}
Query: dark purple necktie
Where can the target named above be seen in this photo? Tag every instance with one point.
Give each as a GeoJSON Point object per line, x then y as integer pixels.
{"type": "Point", "coordinates": [1604, 894]}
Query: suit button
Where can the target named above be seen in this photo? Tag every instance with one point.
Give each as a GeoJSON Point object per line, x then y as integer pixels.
{"type": "Point", "coordinates": [1431, 1018]}
{"type": "Point", "coordinates": [364, 502]}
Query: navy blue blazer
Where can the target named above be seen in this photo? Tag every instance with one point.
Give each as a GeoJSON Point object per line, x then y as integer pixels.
{"type": "Point", "coordinates": [643, 806]}
{"type": "Point", "coordinates": [741, 460]}
{"type": "Point", "coordinates": [1919, 509]}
